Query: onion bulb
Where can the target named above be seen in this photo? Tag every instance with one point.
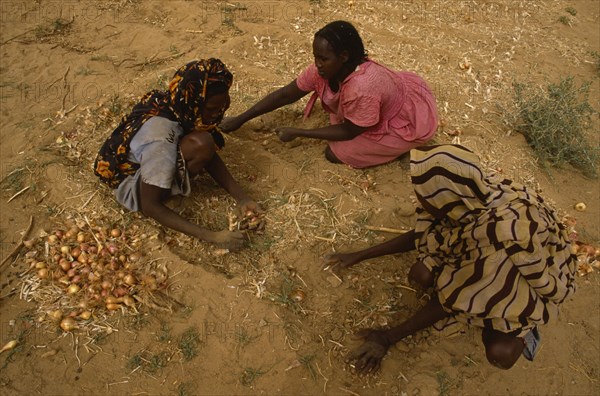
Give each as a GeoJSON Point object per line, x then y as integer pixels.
{"type": "Point", "coordinates": [40, 265]}
{"type": "Point", "coordinates": [73, 288]}
{"type": "Point", "coordinates": [113, 307]}
{"type": "Point", "coordinates": [42, 273]}
{"type": "Point", "coordinates": [297, 295]}
{"type": "Point", "coordinates": [112, 300]}
{"type": "Point", "coordinates": [115, 233]}
{"type": "Point", "coordinates": [29, 244]}
{"type": "Point", "coordinates": [580, 207]}
{"type": "Point", "coordinates": [75, 252]}
{"type": "Point", "coordinates": [9, 345]}
{"type": "Point", "coordinates": [68, 324]}
{"type": "Point", "coordinates": [65, 249]}
{"type": "Point", "coordinates": [129, 301]}
{"type": "Point", "coordinates": [130, 279]}
{"type": "Point", "coordinates": [64, 264]}
{"type": "Point", "coordinates": [85, 315]}
{"type": "Point", "coordinates": [55, 316]}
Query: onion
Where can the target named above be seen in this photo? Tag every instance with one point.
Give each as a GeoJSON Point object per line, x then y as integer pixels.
{"type": "Point", "coordinates": [59, 234]}
{"type": "Point", "coordinates": [129, 301]}
{"type": "Point", "coordinates": [120, 292]}
{"type": "Point", "coordinates": [81, 237]}
{"type": "Point", "coordinates": [113, 307]}
{"type": "Point", "coordinates": [83, 258]}
{"type": "Point", "coordinates": [76, 279]}
{"type": "Point", "coordinates": [113, 265]}
{"type": "Point", "coordinates": [122, 258]}
{"type": "Point", "coordinates": [135, 256]}
{"type": "Point", "coordinates": [72, 272]}
{"type": "Point", "coordinates": [73, 288]}
{"type": "Point", "coordinates": [297, 295]}
{"type": "Point", "coordinates": [65, 249]}
{"type": "Point", "coordinates": [42, 273]}
{"type": "Point", "coordinates": [112, 300]}
{"type": "Point", "coordinates": [93, 249]}
{"type": "Point", "coordinates": [52, 239]}
{"type": "Point", "coordinates": [68, 324]}
{"type": "Point", "coordinates": [75, 252]}
{"type": "Point", "coordinates": [55, 316]}
{"type": "Point", "coordinates": [85, 315]}
{"type": "Point", "coordinates": [40, 265]}
{"type": "Point", "coordinates": [115, 233]}
{"type": "Point", "coordinates": [112, 249]}
{"type": "Point", "coordinates": [29, 244]}
{"type": "Point", "coordinates": [106, 284]}
{"type": "Point", "coordinates": [130, 279]}
{"type": "Point", "coordinates": [64, 264]}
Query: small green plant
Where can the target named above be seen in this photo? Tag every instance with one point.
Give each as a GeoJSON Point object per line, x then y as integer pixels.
{"type": "Point", "coordinates": [55, 27]}
{"type": "Point", "coordinates": [554, 123]}
{"type": "Point", "coordinates": [249, 375]}
{"type": "Point", "coordinates": [596, 56]}
{"type": "Point", "coordinates": [164, 334]}
{"type": "Point", "coordinates": [243, 338]}
{"type": "Point", "coordinates": [443, 383]}
{"type": "Point", "coordinates": [306, 362]}
{"type": "Point", "coordinates": [565, 20]}
{"type": "Point", "coordinates": [189, 342]}
{"type": "Point", "coordinates": [185, 389]}
{"type": "Point", "coordinates": [571, 11]}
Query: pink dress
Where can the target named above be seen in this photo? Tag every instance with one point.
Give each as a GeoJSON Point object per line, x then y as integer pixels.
{"type": "Point", "coordinates": [397, 108]}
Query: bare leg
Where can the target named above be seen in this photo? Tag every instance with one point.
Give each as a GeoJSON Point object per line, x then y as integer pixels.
{"type": "Point", "coordinates": [331, 157]}
{"type": "Point", "coordinates": [502, 350]}
{"type": "Point", "coordinates": [198, 148]}
{"type": "Point", "coordinates": [420, 275]}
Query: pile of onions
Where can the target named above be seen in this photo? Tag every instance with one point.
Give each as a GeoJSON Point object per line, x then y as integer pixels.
{"type": "Point", "coordinates": [98, 271]}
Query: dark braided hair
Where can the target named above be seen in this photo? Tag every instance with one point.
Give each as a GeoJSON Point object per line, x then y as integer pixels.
{"type": "Point", "coordinates": [342, 36]}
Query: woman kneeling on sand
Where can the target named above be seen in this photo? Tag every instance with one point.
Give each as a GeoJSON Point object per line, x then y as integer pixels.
{"type": "Point", "coordinates": [376, 114]}
{"type": "Point", "coordinates": [168, 138]}
{"type": "Point", "coordinates": [495, 253]}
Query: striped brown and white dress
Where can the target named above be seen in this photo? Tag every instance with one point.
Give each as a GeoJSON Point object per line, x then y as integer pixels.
{"type": "Point", "coordinates": [501, 257]}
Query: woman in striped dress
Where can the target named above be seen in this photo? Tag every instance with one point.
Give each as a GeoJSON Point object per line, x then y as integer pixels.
{"type": "Point", "coordinates": [494, 251]}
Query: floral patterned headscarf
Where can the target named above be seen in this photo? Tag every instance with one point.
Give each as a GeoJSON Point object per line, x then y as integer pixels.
{"type": "Point", "coordinates": [183, 103]}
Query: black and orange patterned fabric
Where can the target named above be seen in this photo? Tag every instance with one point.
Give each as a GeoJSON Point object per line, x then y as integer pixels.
{"type": "Point", "coordinates": [501, 256]}
{"type": "Point", "coordinates": [183, 103]}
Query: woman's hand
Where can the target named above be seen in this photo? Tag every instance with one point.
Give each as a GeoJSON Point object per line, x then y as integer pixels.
{"type": "Point", "coordinates": [248, 208]}
{"type": "Point", "coordinates": [367, 357]}
{"type": "Point", "coordinates": [287, 134]}
{"type": "Point", "coordinates": [231, 240]}
{"type": "Point", "coordinates": [230, 124]}
{"type": "Point", "coordinates": [339, 261]}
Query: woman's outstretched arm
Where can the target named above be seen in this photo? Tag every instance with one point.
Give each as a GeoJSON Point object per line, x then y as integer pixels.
{"type": "Point", "coordinates": [274, 100]}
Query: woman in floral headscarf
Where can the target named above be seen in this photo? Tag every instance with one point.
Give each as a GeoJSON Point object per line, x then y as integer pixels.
{"type": "Point", "coordinates": [494, 251]}
{"type": "Point", "coordinates": [168, 138]}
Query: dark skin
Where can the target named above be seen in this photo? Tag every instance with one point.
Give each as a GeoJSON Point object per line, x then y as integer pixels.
{"type": "Point", "coordinates": [502, 350]}
{"type": "Point", "coordinates": [331, 66]}
{"type": "Point", "coordinates": [198, 150]}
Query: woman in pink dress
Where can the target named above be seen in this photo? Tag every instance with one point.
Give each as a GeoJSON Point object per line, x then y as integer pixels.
{"type": "Point", "coordinates": [376, 114]}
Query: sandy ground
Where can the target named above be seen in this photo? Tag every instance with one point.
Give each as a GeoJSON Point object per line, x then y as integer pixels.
{"type": "Point", "coordinates": [68, 72]}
